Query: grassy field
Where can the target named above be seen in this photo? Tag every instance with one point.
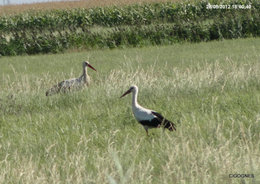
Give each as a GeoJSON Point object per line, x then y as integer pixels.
{"type": "Point", "coordinates": [211, 90]}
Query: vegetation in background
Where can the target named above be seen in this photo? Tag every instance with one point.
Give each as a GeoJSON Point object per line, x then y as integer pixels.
{"type": "Point", "coordinates": [67, 5]}
{"type": "Point", "coordinates": [135, 25]}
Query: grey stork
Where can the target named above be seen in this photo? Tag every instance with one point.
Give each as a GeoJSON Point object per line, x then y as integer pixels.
{"type": "Point", "coordinates": [74, 83]}
{"type": "Point", "coordinates": [146, 117]}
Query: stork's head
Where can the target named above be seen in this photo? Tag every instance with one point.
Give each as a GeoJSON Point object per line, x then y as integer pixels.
{"type": "Point", "coordinates": [86, 64]}
{"type": "Point", "coordinates": [133, 88]}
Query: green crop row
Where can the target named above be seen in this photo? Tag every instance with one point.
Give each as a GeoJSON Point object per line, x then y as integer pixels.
{"type": "Point", "coordinates": [233, 26]}
{"type": "Point", "coordinates": [128, 15]}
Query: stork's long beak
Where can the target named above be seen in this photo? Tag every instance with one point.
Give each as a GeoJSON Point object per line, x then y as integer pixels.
{"type": "Point", "coordinates": [127, 92]}
{"type": "Point", "coordinates": [91, 67]}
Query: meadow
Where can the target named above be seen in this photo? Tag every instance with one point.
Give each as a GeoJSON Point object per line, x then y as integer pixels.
{"type": "Point", "coordinates": [211, 90]}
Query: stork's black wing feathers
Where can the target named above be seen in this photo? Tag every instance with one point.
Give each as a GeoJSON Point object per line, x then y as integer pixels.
{"type": "Point", "coordinates": [166, 123]}
{"type": "Point", "coordinates": [154, 123]}
{"type": "Point", "coordinates": [158, 115]}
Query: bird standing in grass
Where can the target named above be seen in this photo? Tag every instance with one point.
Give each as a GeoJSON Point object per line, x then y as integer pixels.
{"type": "Point", "coordinates": [146, 117]}
{"type": "Point", "coordinates": [75, 83]}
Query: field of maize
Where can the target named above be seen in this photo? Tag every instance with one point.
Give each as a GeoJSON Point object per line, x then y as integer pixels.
{"type": "Point", "coordinates": [134, 25]}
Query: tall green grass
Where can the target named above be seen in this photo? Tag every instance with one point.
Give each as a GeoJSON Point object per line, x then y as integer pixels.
{"type": "Point", "coordinates": [211, 90]}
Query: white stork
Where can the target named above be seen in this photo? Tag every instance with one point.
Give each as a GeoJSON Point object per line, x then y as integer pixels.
{"type": "Point", "coordinates": [146, 117]}
{"type": "Point", "coordinates": [74, 83]}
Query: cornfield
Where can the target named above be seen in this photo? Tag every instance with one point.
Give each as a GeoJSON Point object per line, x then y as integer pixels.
{"type": "Point", "coordinates": [134, 25]}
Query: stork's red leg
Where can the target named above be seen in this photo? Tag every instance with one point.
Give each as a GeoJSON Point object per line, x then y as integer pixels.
{"type": "Point", "coordinates": [146, 132]}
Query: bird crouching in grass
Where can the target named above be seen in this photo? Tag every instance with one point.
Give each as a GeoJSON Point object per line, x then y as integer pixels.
{"type": "Point", "coordinates": [75, 83]}
{"type": "Point", "coordinates": [146, 117]}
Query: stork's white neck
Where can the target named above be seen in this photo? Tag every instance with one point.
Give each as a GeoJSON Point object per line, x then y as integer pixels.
{"type": "Point", "coordinates": [140, 112]}
{"type": "Point", "coordinates": [85, 73]}
{"type": "Point", "coordinates": [84, 77]}
{"type": "Point", "coordinates": [84, 70]}
{"type": "Point", "coordinates": [134, 99]}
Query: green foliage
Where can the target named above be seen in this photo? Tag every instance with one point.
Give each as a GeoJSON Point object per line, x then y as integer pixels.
{"type": "Point", "coordinates": [115, 16]}
{"type": "Point", "coordinates": [136, 25]}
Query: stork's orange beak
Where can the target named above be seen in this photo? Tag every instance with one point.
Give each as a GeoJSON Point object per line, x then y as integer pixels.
{"type": "Point", "coordinates": [127, 92]}
{"type": "Point", "coordinates": [91, 67]}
